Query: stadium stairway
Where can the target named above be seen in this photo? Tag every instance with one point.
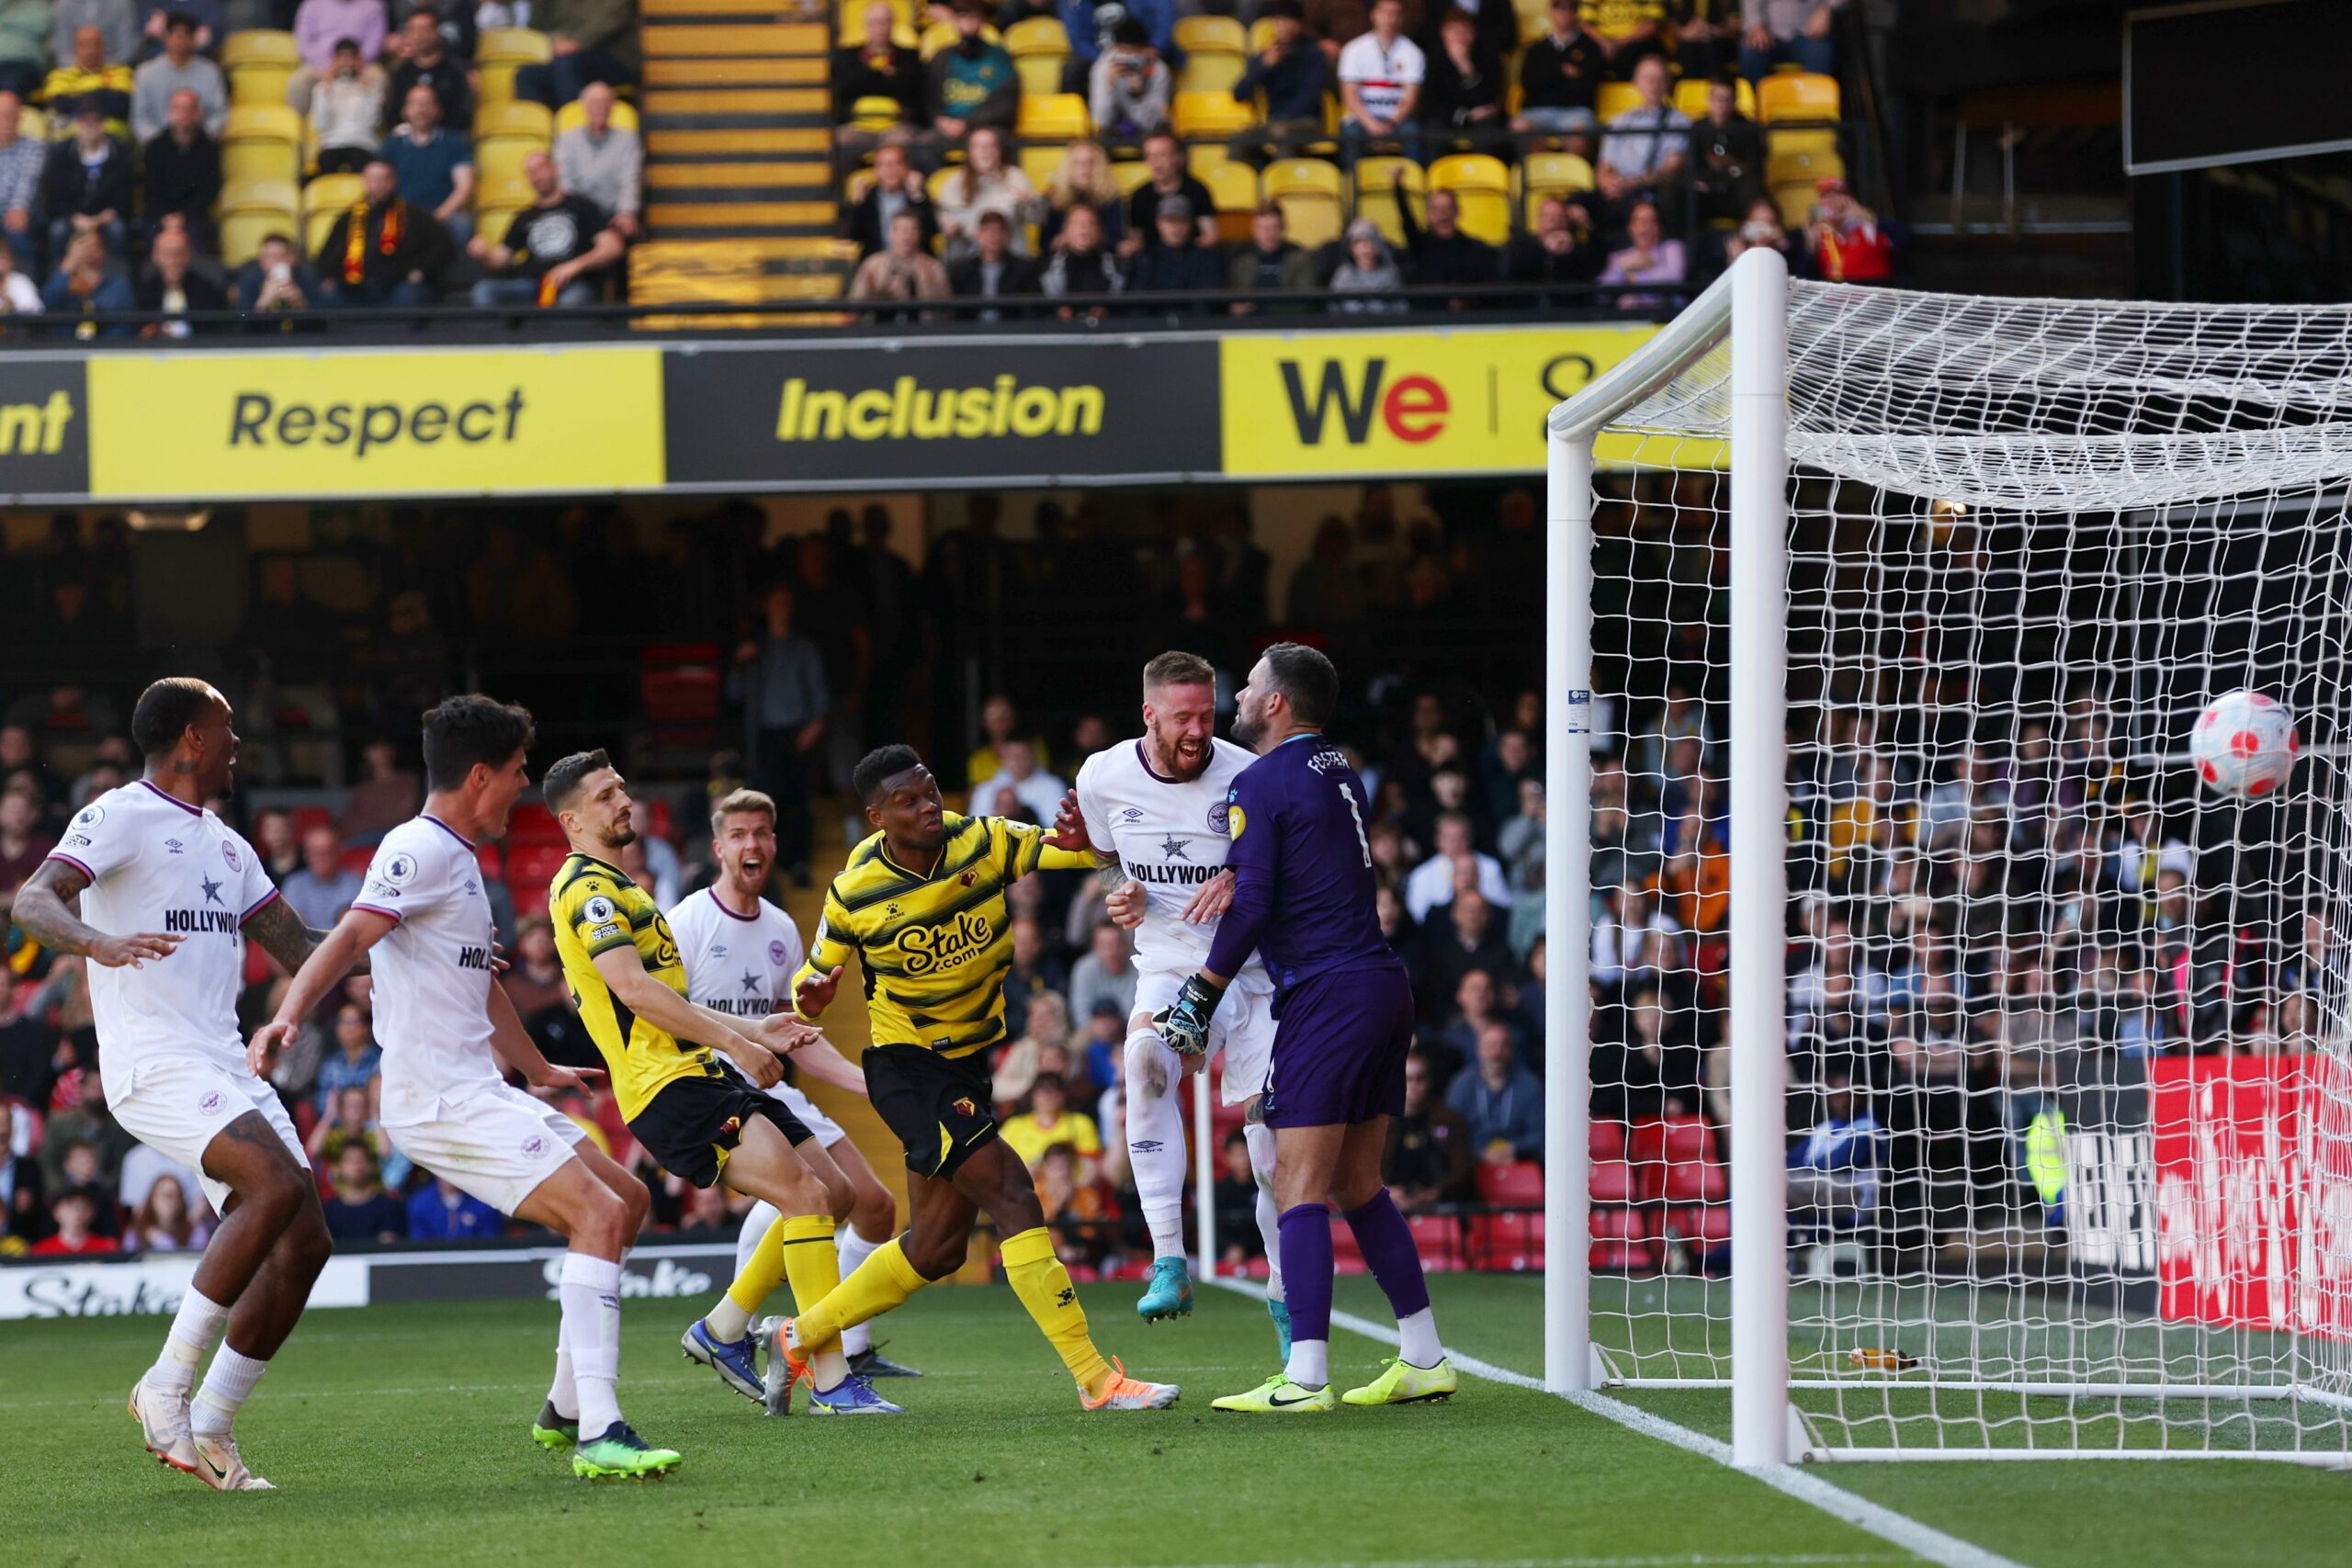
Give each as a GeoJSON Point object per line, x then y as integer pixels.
{"type": "Point", "coordinates": [738, 137]}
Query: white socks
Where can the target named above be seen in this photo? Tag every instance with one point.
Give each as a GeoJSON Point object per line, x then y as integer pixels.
{"type": "Point", "coordinates": [1416, 1339]}
{"type": "Point", "coordinates": [590, 1288]}
{"type": "Point", "coordinates": [226, 1383]}
{"type": "Point", "coordinates": [563, 1393]}
{"type": "Point", "coordinates": [1156, 1138]}
{"type": "Point", "coordinates": [1261, 1139]}
{"type": "Point", "coordinates": [1310, 1362]}
{"type": "Point", "coordinates": [194, 1328]}
{"type": "Point", "coordinates": [853, 1250]}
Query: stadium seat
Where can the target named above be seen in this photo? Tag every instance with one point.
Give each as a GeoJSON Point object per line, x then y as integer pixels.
{"type": "Point", "coordinates": [504, 190]}
{"type": "Point", "coordinates": [1376, 194]}
{"type": "Point", "coordinates": [1803, 166]}
{"type": "Point", "coordinates": [306, 818]}
{"type": "Point", "coordinates": [1347, 1257]}
{"type": "Point", "coordinates": [355, 858]}
{"type": "Point", "coordinates": [527, 120]}
{"type": "Point", "coordinates": [252, 208]}
{"type": "Point", "coordinates": [1797, 96]}
{"type": "Point", "coordinates": [1543, 174]}
{"type": "Point", "coordinates": [1706, 1228]}
{"type": "Point", "coordinates": [936, 183]}
{"type": "Point", "coordinates": [1234, 187]}
{"type": "Point", "coordinates": [31, 124]}
{"type": "Point", "coordinates": [1056, 116]}
{"type": "Point", "coordinates": [1212, 35]}
{"type": "Point", "coordinates": [1211, 70]}
{"type": "Point", "coordinates": [261, 141]}
{"type": "Point", "coordinates": [1614, 98]}
{"type": "Point", "coordinates": [573, 117]}
{"type": "Point", "coordinates": [1211, 115]}
{"type": "Point", "coordinates": [1621, 1239]}
{"type": "Point", "coordinates": [1040, 51]}
{"type": "Point", "coordinates": [513, 46]}
{"type": "Point", "coordinates": [1691, 97]}
{"type": "Point", "coordinates": [259, 46]}
{"type": "Point", "coordinates": [1309, 190]}
{"type": "Point", "coordinates": [532, 823]}
{"type": "Point", "coordinates": [528, 864]}
{"type": "Point", "coordinates": [1262, 35]}
{"type": "Point", "coordinates": [1611, 1182]}
{"type": "Point", "coordinates": [1699, 1182]}
{"type": "Point", "coordinates": [1481, 184]}
{"type": "Point", "coordinates": [942, 35]}
{"type": "Point", "coordinates": [486, 856]}
{"type": "Point", "coordinates": [325, 199]}
{"type": "Point", "coordinates": [860, 181]}
{"type": "Point", "coordinates": [1130, 174]}
{"type": "Point", "coordinates": [497, 85]}
{"type": "Point", "coordinates": [261, 81]}
{"type": "Point", "coordinates": [1606, 1140]}
{"type": "Point", "coordinates": [1039, 161]}
{"type": "Point", "coordinates": [498, 162]}
{"type": "Point", "coordinates": [492, 220]}
{"type": "Point", "coordinates": [1520, 1181]}
{"type": "Point", "coordinates": [1439, 1239]}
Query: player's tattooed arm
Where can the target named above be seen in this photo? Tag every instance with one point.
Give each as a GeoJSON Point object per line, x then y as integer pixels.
{"type": "Point", "coordinates": [41, 910]}
{"type": "Point", "coordinates": [277, 930]}
{"type": "Point", "coordinates": [1122, 896]}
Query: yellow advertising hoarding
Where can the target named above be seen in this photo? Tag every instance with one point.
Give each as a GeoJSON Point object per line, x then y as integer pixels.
{"type": "Point", "coordinates": [1361, 403]}
{"type": "Point", "coordinates": [521, 422]}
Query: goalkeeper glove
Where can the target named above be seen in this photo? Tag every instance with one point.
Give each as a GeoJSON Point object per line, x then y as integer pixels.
{"type": "Point", "coordinates": [1185, 1025]}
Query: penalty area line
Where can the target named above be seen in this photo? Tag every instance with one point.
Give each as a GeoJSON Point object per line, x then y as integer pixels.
{"type": "Point", "coordinates": [1921, 1540]}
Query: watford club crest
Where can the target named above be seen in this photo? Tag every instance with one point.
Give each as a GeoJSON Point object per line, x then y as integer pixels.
{"type": "Point", "coordinates": [732, 1126]}
{"type": "Point", "coordinates": [964, 1106]}
{"type": "Point", "coordinates": [968, 879]}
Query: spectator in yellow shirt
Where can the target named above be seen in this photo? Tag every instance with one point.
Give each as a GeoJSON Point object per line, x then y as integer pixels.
{"type": "Point", "coordinates": [89, 76]}
{"type": "Point", "coordinates": [1050, 1121]}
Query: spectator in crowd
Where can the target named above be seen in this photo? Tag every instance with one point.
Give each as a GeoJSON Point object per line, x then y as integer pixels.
{"type": "Point", "coordinates": [163, 1223]}
{"type": "Point", "coordinates": [24, 61]}
{"type": "Point", "coordinates": [183, 168]}
{"type": "Point", "coordinates": [1559, 76]}
{"type": "Point", "coordinates": [1081, 264]}
{"type": "Point", "coordinates": [1433, 881]}
{"type": "Point", "coordinates": [590, 40]}
{"type": "Point", "coordinates": [23, 162]}
{"type": "Point", "coordinates": [896, 188]}
{"type": "Point", "coordinates": [274, 836]}
{"type": "Point", "coordinates": [361, 1210]}
{"type": "Point", "coordinates": [441, 1212]}
{"type": "Point", "coordinates": [1092, 26]}
{"type": "Point", "coordinates": [1019, 787]}
{"type": "Point", "coordinates": [1050, 1121]}
{"type": "Point", "coordinates": [1442, 253]}
{"type": "Point", "coordinates": [1240, 1244]}
{"type": "Point", "coordinates": [1649, 260]}
{"type": "Point", "coordinates": [76, 1213]}
{"type": "Point", "coordinates": [1847, 243]}
{"type": "Point", "coordinates": [1462, 936]}
{"type": "Point", "coordinates": [1834, 1173]}
{"type": "Point", "coordinates": [427, 62]}
{"type": "Point", "coordinates": [1078, 1203]}
{"type": "Point", "coordinates": [779, 677]}
{"type": "Point", "coordinates": [346, 105]}
{"type": "Point", "coordinates": [1035, 969]}
{"type": "Point", "coordinates": [89, 74]}
{"type": "Point", "coordinates": [1647, 149]}
{"type": "Point", "coordinates": [1628, 31]}
{"type": "Point", "coordinates": [87, 188]}
{"type": "Point", "coordinates": [868, 75]}
{"type": "Point", "coordinates": [385, 796]}
{"type": "Point", "coordinates": [1727, 165]}
{"type": "Point", "coordinates": [88, 284]}
{"type": "Point", "coordinates": [1269, 262]}
{"type": "Point", "coordinates": [602, 162]}
{"type": "Point", "coordinates": [324, 887]}
{"type": "Point", "coordinates": [1172, 263]}
{"type": "Point", "coordinates": [1501, 1102]}
{"type": "Point", "coordinates": [355, 1063]}
{"type": "Point", "coordinates": [1130, 87]}
{"type": "Point", "coordinates": [972, 82]}
{"type": "Point", "coordinates": [1428, 1160]}
{"type": "Point", "coordinates": [32, 1054]}
{"type": "Point", "coordinates": [172, 285]}
{"type": "Point", "coordinates": [1462, 101]}
{"type": "Point", "coordinates": [1106, 973]}
{"type": "Point", "coordinates": [1292, 72]}
{"type": "Point", "coordinates": [1561, 250]}
{"type": "Point", "coordinates": [993, 271]}
{"type": "Point", "coordinates": [1333, 24]}
{"type": "Point", "coordinates": [1791, 32]}
{"type": "Point", "coordinates": [558, 250]}
{"type": "Point", "coordinates": [535, 983]}
{"type": "Point", "coordinates": [1760, 225]}
{"type": "Point", "coordinates": [457, 21]}
{"type": "Point", "coordinates": [1380, 87]}
{"type": "Point", "coordinates": [435, 166]}
{"type": "Point", "coordinates": [1043, 1047]}
{"type": "Point", "coordinates": [179, 69]}
{"type": "Point", "coordinates": [278, 280]}
{"type": "Point", "coordinates": [85, 1121]}
{"type": "Point", "coordinates": [1163, 155]}
{"type": "Point", "coordinates": [985, 182]}
{"type": "Point", "coordinates": [24, 841]}
{"type": "Point", "coordinates": [901, 271]}
{"type": "Point", "coordinates": [19, 296]}
{"type": "Point", "coordinates": [320, 29]}
{"type": "Point", "coordinates": [384, 250]}
{"type": "Point", "coordinates": [1706, 36]}
{"type": "Point", "coordinates": [1084, 178]}
{"type": "Point", "coordinates": [1369, 268]}
{"type": "Point", "coordinates": [1000, 722]}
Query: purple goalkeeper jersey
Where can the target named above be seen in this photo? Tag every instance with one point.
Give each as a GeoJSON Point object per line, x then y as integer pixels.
{"type": "Point", "coordinates": [1303, 876]}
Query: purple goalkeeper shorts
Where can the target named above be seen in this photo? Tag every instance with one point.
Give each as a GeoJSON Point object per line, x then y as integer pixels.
{"type": "Point", "coordinates": [1339, 1045]}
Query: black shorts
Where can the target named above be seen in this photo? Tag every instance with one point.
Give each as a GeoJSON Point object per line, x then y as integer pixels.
{"type": "Point", "coordinates": [940, 1107]}
{"type": "Point", "coordinates": [692, 1124]}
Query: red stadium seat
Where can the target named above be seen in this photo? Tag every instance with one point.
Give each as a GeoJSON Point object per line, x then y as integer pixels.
{"type": "Point", "coordinates": [1612, 1182]}
{"type": "Point", "coordinates": [1439, 1238]}
{"type": "Point", "coordinates": [1621, 1239]}
{"type": "Point", "coordinates": [1521, 1181]}
{"type": "Point", "coordinates": [306, 818]}
{"type": "Point", "coordinates": [487, 857]}
{"type": "Point", "coordinates": [1513, 1243]}
{"type": "Point", "coordinates": [1705, 1228]}
{"type": "Point", "coordinates": [1347, 1258]}
{"type": "Point", "coordinates": [533, 866]}
{"type": "Point", "coordinates": [533, 824]}
{"type": "Point", "coordinates": [659, 818]}
{"type": "Point", "coordinates": [1697, 1182]}
{"type": "Point", "coordinates": [357, 858]}
{"type": "Point", "coordinates": [1607, 1141]}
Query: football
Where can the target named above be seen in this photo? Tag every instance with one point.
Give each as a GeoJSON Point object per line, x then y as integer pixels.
{"type": "Point", "coordinates": [2244, 744]}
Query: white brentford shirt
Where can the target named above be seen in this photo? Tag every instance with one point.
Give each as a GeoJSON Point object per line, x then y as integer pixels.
{"type": "Point", "coordinates": [1172, 838]}
{"type": "Point", "coordinates": [157, 865]}
{"type": "Point", "coordinates": [1381, 75]}
{"type": "Point", "coordinates": [738, 964]}
{"type": "Point", "coordinates": [433, 971]}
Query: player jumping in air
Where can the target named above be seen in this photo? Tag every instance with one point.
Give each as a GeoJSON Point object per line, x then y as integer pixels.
{"type": "Point", "coordinates": [1156, 807]}
{"type": "Point", "coordinates": [171, 894]}
{"type": "Point", "coordinates": [741, 952]}
{"type": "Point", "coordinates": [450, 1034]}
{"type": "Point", "coordinates": [921, 903]}
{"type": "Point", "coordinates": [1302, 900]}
{"type": "Point", "coordinates": [703, 1121]}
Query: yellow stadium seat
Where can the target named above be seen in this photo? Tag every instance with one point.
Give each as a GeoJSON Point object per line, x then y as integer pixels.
{"type": "Point", "coordinates": [573, 117]}
{"type": "Point", "coordinates": [1481, 185]}
{"type": "Point", "coordinates": [261, 141]}
{"type": "Point", "coordinates": [1211, 70]}
{"type": "Point", "coordinates": [1214, 35]}
{"type": "Point", "coordinates": [259, 46]}
{"type": "Point", "coordinates": [502, 158]}
{"type": "Point", "coordinates": [1202, 156]}
{"type": "Point", "coordinates": [1614, 98]}
{"type": "Point", "coordinates": [1783, 142]}
{"type": "Point", "coordinates": [31, 124]}
{"type": "Point", "coordinates": [853, 188]}
{"type": "Point", "coordinates": [1543, 174]}
{"type": "Point", "coordinates": [1800, 96]}
{"type": "Point", "coordinates": [1040, 73]}
{"type": "Point", "coordinates": [937, 183]}
{"type": "Point", "coordinates": [942, 35]}
{"type": "Point", "coordinates": [1213, 115]}
{"type": "Point", "coordinates": [1796, 202]}
{"type": "Point", "coordinates": [492, 222]}
{"type": "Point", "coordinates": [523, 119]}
{"type": "Point", "coordinates": [1376, 193]}
{"type": "Point", "coordinates": [1803, 166]}
{"type": "Point", "coordinates": [1309, 191]}
{"type": "Point", "coordinates": [1040, 51]}
{"type": "Point", "coordinates": [1262, 35]}
{"type": "Point", "coordinates": [1053, 116]}
{"type": "Point", "coordinates": [1691, 97]}
{"type": "Point", "coordinates": [513, 46]}
{"type": "Point", "coordinates": [325, 199]}
{"type": "Point", "coordinates": [260, 82]}
{"type": "Point", "coordinates": [250, 210]}
{"type": "Point", "coordinates": [1129, 174]}
{"type": "Point", "coordinates": [1234, 187]}
{"type": "Point", "coordinates": [1039, 162]}
{"type": "Point", "coordinates": [508, 190]}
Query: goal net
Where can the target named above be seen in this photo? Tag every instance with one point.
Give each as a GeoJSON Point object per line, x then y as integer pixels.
{"type": "Point", "coordinates": [1968, 1078]}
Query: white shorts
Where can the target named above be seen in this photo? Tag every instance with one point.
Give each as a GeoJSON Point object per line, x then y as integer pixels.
{"type": "Point", "coordinates": [496, 1144]}
{"type": "Point", "coordinates": [1243, 1029]}
{"type": "Point", "coordinates": [827, 1131]}
{"type": "Point", "coordinates": [177, 1105]}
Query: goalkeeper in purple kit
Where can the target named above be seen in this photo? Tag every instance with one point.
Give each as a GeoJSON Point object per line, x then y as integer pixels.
{"type": "Point", "coordinates": [1343, 1012]}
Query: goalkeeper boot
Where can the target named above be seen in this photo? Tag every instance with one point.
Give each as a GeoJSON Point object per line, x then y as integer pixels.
{"type": "Point", "coordinates": [553, 1429]}
{"type": "Point", "coordinates": [1279, 1396]}
{"type": "Point", "coordinates": [1401, 1382]}
{"type": "Point", "coordinates": [1170, 1294]}
{"type": "Point", "coordinates": [737, 1364]}
{"type": "Point", "coordinates": [621, 1452]}
{"type": "Point", "coordinates": [1123, 1393]}
{"type": "Point", "coordinates": [871, 1362]}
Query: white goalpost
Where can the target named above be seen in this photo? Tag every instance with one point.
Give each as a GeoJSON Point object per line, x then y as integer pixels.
{"type": "Point", "coordinates": [1935, 1064]}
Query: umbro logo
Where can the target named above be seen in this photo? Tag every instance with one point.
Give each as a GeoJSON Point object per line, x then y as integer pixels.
{"type": "Point", "coordinates": [719, 952]}
{"type": "Point", "coordinates": [1145, 1145]}
{"type": "Point", "coordinates": [173, 845]}
{"type": "Point", "coordinates": [1131, 816]}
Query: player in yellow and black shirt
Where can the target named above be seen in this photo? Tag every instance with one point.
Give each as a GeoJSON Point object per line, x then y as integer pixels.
{"type": "Point", "coordinates": [701, 1118]}
{"type": "Point", "coordinates": [922, 904]}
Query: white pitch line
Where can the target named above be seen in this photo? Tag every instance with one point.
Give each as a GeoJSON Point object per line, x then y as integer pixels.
{"type": "Point", "coordinates": [1688, 1560]}
{"type": "Point", "coordinates": [1920, 1539]}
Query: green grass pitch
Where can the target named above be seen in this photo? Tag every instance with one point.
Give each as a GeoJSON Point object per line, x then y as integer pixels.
{"type": "Point", "coordinates": [398, 1436]}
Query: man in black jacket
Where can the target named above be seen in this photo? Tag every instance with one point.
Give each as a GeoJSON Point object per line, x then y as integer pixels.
{"type": "Point", "coordinates": [1562, 251]}
{"type": "Point", "coordinates": [183, 170]}
{"type": "Point", "coordinates": [878, 68]}
{"type": "Point", "coordinates": [1172, 264]}
{"type": "Point", "coordinates": [896, 186]}
{"type": "Point", "coordinates": [87, 184]}
{"type": "Point", "coordinates": [383, 251]}
{"type": "Point", "coordinates": [1442, 252]}
{"type": "Point", "coordinates": [992, 271]}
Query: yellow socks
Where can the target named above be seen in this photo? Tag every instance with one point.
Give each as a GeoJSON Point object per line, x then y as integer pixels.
{"type": "Point", "coordinates": [879, 1283]}
{"type": "Point", "coordinates": [1043, 1284]}
{"type": "Point", "coordinates": [731, 1318]}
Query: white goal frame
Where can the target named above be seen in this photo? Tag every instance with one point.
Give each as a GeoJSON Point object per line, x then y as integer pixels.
{"type": "Point", "coordinates": [1749, 305]}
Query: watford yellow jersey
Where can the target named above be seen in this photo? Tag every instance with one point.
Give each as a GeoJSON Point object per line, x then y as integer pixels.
{"type": "Point", "coordinates": [934, 944]}
{"type": "Point", "coordinates": [595, 908]}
